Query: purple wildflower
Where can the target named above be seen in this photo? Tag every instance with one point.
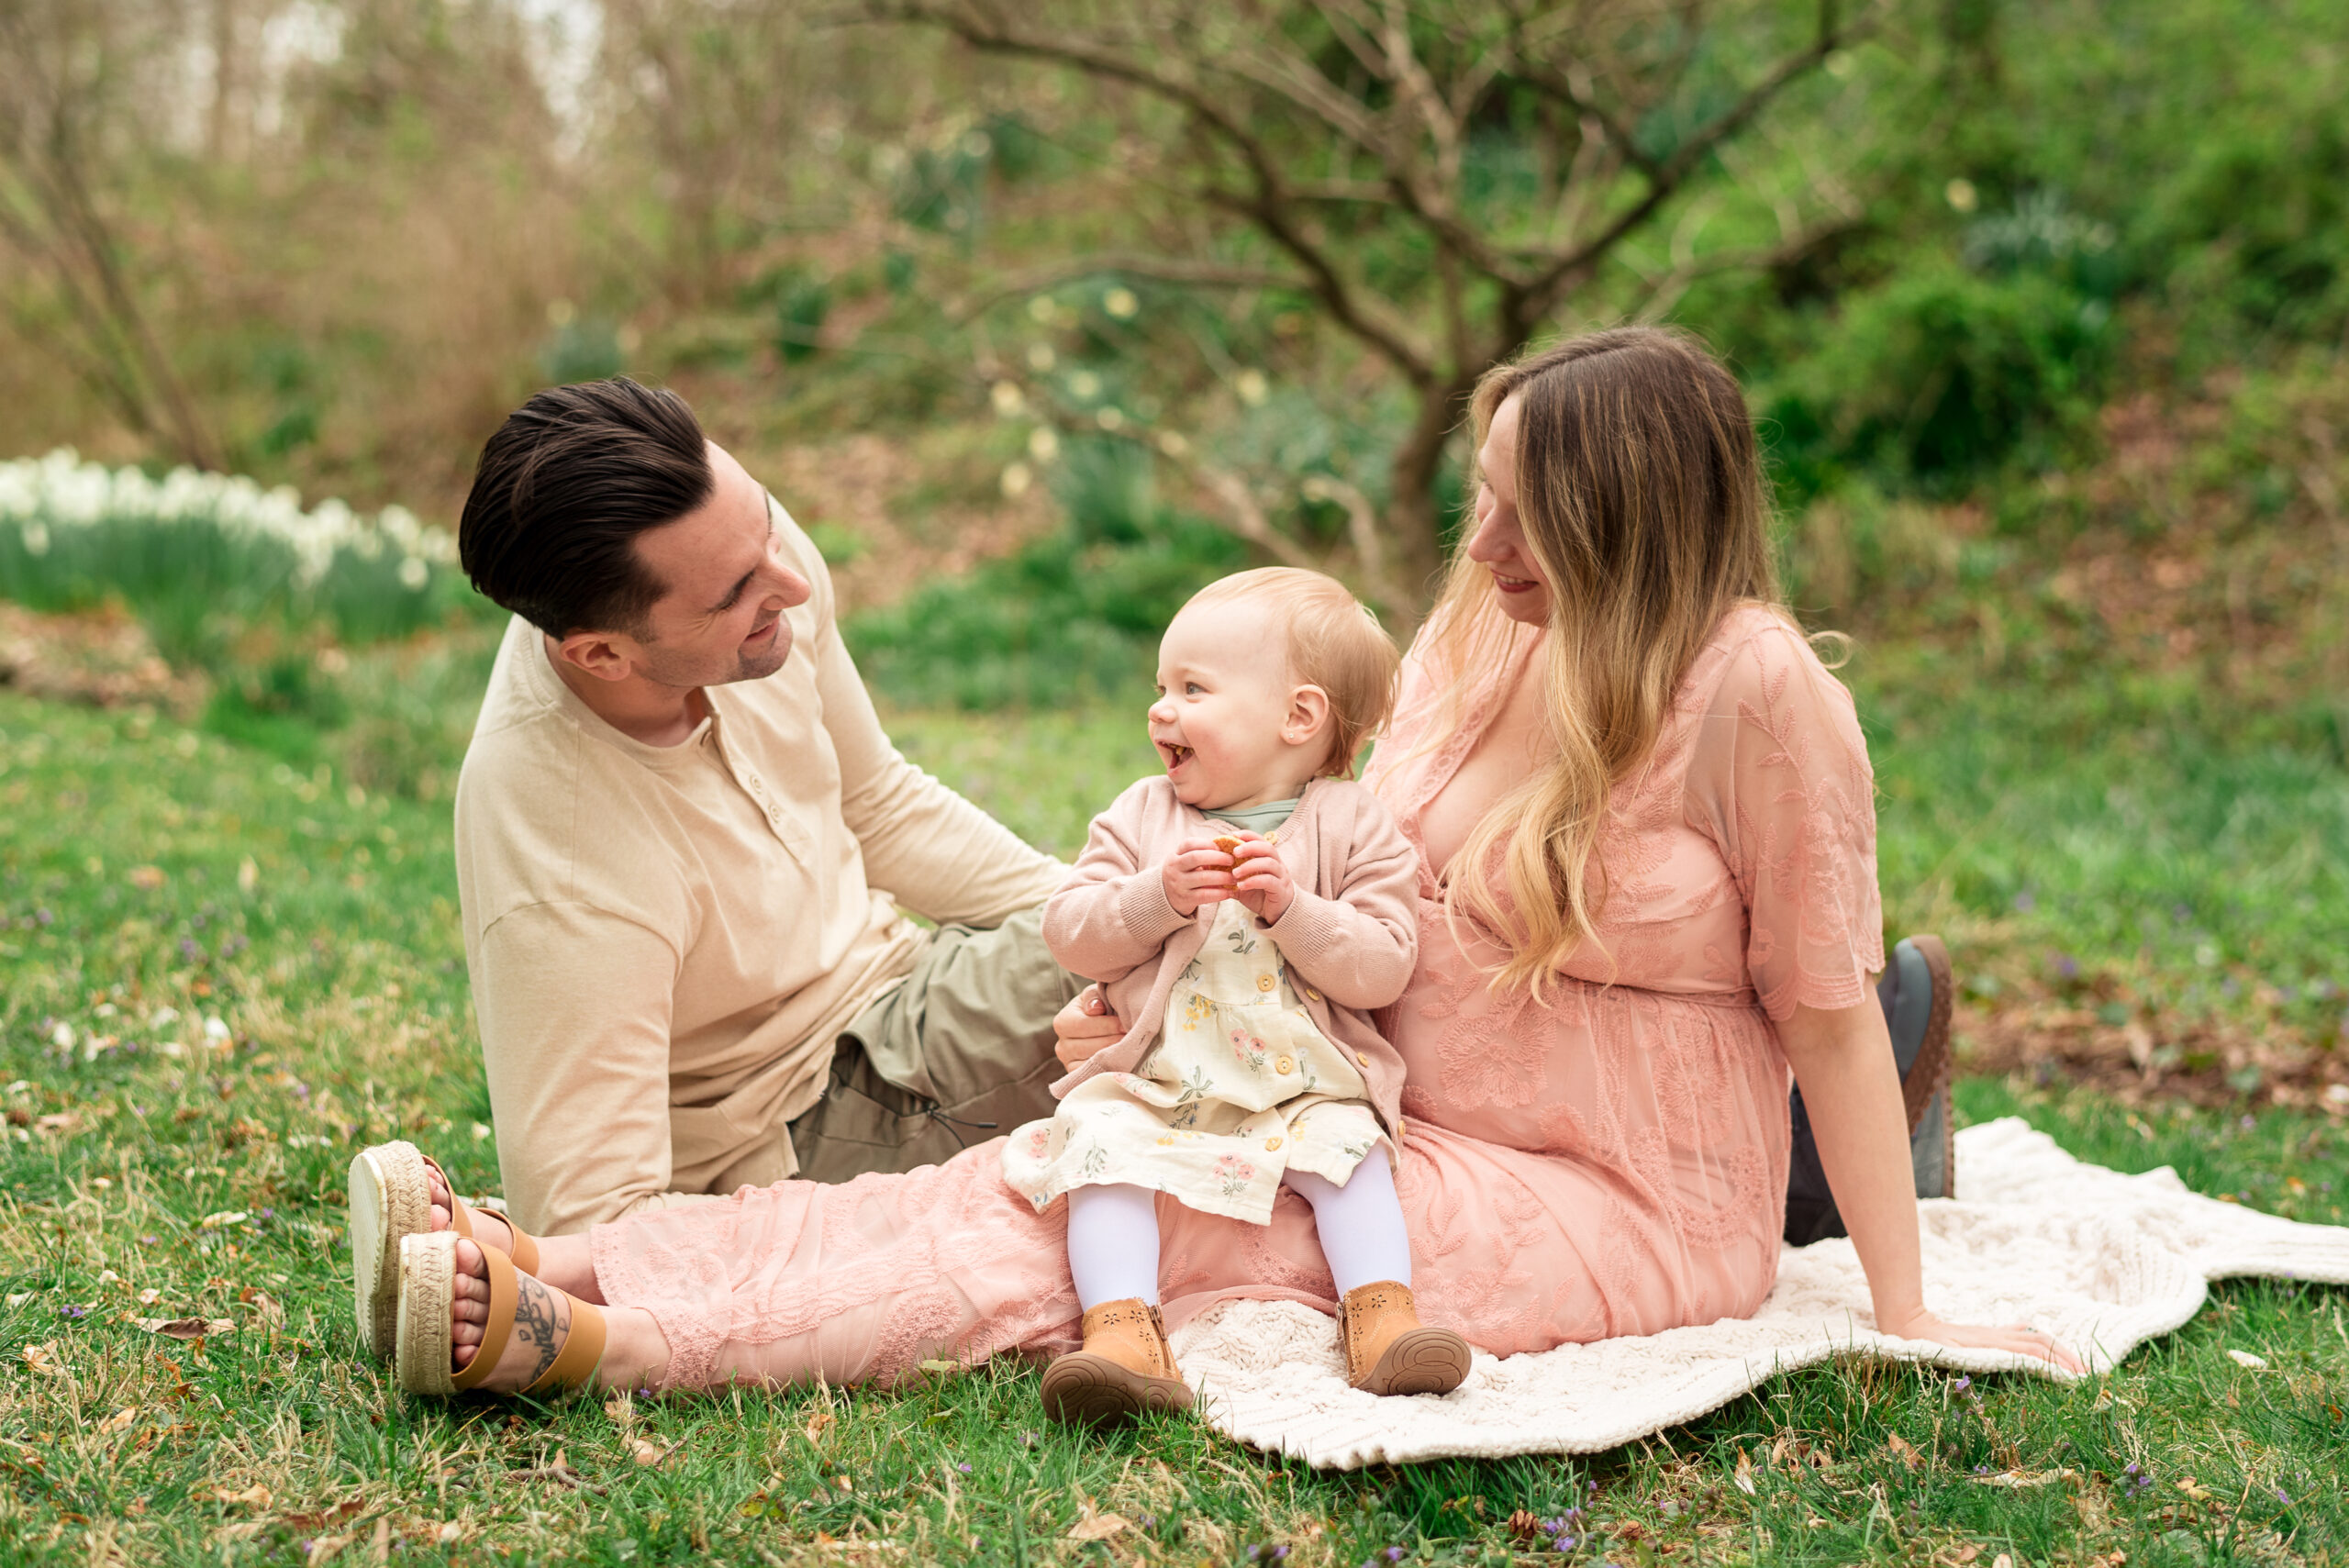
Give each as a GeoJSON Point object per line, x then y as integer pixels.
{"type": "Point", "coordinates": [71, 1310]}
{"type": "Point", "coordinates": [964, 1468]}
{"type": "Point", "coordinates": [2283, 1496]}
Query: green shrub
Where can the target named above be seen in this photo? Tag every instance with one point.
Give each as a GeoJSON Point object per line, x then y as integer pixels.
{"type": "Point", "coordinates": [1069, 617]}
{"type": "Point", "coordinates": [1939, 376]}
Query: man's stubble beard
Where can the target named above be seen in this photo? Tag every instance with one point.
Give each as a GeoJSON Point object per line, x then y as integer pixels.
{"type": "Point", "coordinates": [686, 675]}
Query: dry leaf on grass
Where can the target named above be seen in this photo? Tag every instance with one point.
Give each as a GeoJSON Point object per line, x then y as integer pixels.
{"type": "Point", "coordinates": [57, 1121]}
{"type": "Point", "coordinates": [43, 1358]}
{"type": "Point", "coordinates": [2245, 1358]}
{"type": "Point", "coordinates": [120, 1421]}
{"type": "Point", "coordinates": [1097, 1527]}
{"type": "Point", "coordinates": [621, 1408]}
{"type": "Point", "coordinates": [256, 1496]}
{"type": "Point", "coordinates": [1744, 1476]}
{"type": "Point", "coordinates": [1902, 1452]}
{"type": "Point", "coordinates": [185, 1328]}
{"type": "Point", "coordinates": [818, 1423]}
{"type": "Point", "coordinates": [652, 1454]}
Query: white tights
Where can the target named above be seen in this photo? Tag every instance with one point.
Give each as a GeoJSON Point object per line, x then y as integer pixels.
{"type": "Point", "coordinates": [1113, 1233]}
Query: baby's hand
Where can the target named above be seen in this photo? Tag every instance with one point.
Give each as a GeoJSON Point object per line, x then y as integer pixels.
{"type": "Point", "coordinates": [1261, 879]}
{"type": "Point", "coordinates": [1196, 873]}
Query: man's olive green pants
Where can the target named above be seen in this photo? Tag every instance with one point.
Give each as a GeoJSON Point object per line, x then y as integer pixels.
{"type": "Point", "coordinates": [960, 1052]}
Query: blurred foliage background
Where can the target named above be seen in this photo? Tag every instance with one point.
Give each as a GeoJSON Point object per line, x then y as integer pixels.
{"type": "Point", "coordinates": [1039, 320]}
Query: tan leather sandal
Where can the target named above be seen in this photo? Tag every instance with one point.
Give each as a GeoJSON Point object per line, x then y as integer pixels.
{"type": "Point", "coordinates": [424, 1340]}
{"type": "Point", "coordinates": [1125, 1369]}
{"type": "Point", "coordinates": [1389, 1350]}
{"type": "Point", "coordinates": [390, 1199]}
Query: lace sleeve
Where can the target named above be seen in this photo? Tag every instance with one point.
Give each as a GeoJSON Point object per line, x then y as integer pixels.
{"type": "Point", "coordinates": [1780, 780]}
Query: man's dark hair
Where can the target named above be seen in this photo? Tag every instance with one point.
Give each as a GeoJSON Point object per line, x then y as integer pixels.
{"type": "Point", "coordinates": [562, 490]}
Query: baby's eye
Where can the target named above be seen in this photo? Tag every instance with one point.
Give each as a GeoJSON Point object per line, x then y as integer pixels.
{"type": "Point", "coordinates": [1192, 688]}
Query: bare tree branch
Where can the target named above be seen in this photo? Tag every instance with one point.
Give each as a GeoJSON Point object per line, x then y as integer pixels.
{"type": "Point", "coordinates": [1267, 203]}
{"type": "Point", "coordinates": [1132, 264]}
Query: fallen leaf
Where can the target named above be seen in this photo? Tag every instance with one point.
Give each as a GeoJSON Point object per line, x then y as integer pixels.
{"type": "Point", "coordinates": [2245, 1358]}
{"type": "Point", "coordinates": [43, 1359]}
{"type": "Point", "coordinates": [942, 1369]}
{"type": "Point", "coordinates": [56, 1122]}
{"type": "Point", "coordinates": [1966, 1554]}
{"type": "Point", "coordinates": [260, 1302]}
{"type": "Point", "coordinates": [1903, 1452]}
{"type": "Point", "coordinates": [2002, 1561]}
{"type": "Point", "coordinates": [621, 1408]}
{"type": "Point", "coordinates": [324, 1548]}
{"type": "Point", "coordinates": [226, 1216]}
{"type": "Point", "coordinates": [147, 879]}
{"type": "Point", "coordinates": [1744, 1476]}
{"type": "Point", "coordinates": [651, 1454]}
{"type": "Point", "coordinates": [2026, 1480]}
{"type": "Point", "coordinates": [150, 1296]}
{"type": "Point", "coordinates": [1097, 1527]}
{"type": "Point", "coordinates": [818, 1423]}
{"type": "Point", "coordinates": [185, 1328]}
{"type": "Point", "coordinates": [255, 1496]}
{"type": "Point", "coordinates": [120, 1421]}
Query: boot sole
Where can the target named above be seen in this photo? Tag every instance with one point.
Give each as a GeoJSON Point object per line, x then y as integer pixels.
{"type": "Point", "coordinates": [1420, 1360]}
{"type": "Point", "coordinates": [1936, 1061]}
{"type": "Point", "coordinates": [1083, 1389]}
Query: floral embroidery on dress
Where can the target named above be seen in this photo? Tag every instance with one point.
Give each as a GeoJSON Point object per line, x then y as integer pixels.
{"type": "Point", "coordinates": [1234, 1174]}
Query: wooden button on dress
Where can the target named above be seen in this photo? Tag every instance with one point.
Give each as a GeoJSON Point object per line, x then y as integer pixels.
{"type": "Point", "coordinates": [1266, 983]}
{"type": "Point", "coordinates": [1283, 1066]}
{"type": "Point", "coordinates": [1272, 1143]}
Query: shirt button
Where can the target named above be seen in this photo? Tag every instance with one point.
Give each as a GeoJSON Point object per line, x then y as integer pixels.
{"type": "Point", "coordinates": [1311, 995]}
{"type": "Point", "coordinates": [1283, 1066]}
{"type": "Point", "coordinates": [1266, 983]}
{"type": "Point", "coordinates": [1361, 1059]}
{"type": "Point", "coordinates": [1272, 1143]}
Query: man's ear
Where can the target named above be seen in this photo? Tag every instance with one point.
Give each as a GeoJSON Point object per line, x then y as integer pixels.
{"type": "Point", "coordinates": [607, 656]}
{"type": "Point", "coordinates": [1309, 714]}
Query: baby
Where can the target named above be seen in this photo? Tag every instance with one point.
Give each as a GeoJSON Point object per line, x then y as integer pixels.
{"type": "Point", "coordinates": [1245, 911]}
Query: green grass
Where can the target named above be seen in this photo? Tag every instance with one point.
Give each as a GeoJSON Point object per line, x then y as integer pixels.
{"type": "Point", "coordinates": [210, 1173]}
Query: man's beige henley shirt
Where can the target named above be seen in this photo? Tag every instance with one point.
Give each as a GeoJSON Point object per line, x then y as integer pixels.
{"type": "Point", "coordinates": [665, 940]}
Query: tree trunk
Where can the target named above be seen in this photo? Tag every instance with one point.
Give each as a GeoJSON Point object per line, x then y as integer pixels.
{"type": "Point", "coordinates": [1414, 522]}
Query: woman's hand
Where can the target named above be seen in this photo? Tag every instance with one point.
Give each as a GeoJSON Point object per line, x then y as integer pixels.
{"type": "Point", "coordinates": [1260, 878]}
{"type": "Point", "coordinates": [2018, 1337]}
{"type": "Point", "coordinates": [1084, 1026]}
{"type": "Point", "coordinates": [1842, 1059]}
{"type": "Point", "coordinates": [1196, 873]}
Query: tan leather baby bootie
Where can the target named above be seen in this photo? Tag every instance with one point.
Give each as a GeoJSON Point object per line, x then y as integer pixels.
{"type": "Point", "coordinates": [1388, 1351]}
{"type": "Point", "coordinates": [1124, 1370]}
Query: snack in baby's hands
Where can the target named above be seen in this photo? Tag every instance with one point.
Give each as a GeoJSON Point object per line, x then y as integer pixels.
{"type": "Point", "coordinates": [1228, 845]}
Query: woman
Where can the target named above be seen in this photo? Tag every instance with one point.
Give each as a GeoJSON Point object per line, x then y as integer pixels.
{"type": "Point", "coordinates": [1648, 888]}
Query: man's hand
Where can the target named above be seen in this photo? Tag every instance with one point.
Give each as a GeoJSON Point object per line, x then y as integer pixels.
{"type": "Point", "coordinates": [1261, 880]}
{"type": "Point", "coordinates": [1084, 1026]}
{"type": "Point", "coordinates": [1196, 873]}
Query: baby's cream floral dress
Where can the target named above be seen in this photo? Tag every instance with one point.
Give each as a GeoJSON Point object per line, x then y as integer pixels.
{"type": "Point", "coordinates": [1240, 1086]}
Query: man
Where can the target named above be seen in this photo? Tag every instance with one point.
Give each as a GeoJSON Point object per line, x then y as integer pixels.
{"type": "Point", "coordinates": [684, 848]}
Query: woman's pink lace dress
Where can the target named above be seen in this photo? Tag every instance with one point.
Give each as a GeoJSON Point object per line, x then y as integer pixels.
{"type": "Point", "coordinates": [1612, 1163]}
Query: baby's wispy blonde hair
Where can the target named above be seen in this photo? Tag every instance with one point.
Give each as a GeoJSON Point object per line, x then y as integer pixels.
{"type": "Point", "coordinates": [1335, 642]}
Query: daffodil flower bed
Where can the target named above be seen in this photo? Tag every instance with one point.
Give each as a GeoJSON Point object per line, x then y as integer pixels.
{"type": "Point", "coordinates": [201, 557]}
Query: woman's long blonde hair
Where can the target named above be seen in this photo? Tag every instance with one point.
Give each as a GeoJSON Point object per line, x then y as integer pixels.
{"type": "Point", "coordinates": [1640, 494]}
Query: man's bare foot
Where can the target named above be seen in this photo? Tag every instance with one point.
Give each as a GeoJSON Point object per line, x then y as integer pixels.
{"type": "Point", "coordinates": [541, 1323]}
{"type": "Point", "coordinates": [489, 1227]}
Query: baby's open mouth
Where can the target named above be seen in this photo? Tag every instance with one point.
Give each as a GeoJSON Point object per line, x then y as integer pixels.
{"type": "Point", "coordinates": [1175, 755]}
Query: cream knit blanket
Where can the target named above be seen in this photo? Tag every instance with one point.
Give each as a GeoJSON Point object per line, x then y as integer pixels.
{"type": "Point", "coordinates": [2102, 1260]}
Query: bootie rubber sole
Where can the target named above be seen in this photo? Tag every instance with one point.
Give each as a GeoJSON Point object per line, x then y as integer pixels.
{"type": "Point", "coordinates": [1420, 1360]}
{"type": "Point", "coordinates": [1088, 1389]}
